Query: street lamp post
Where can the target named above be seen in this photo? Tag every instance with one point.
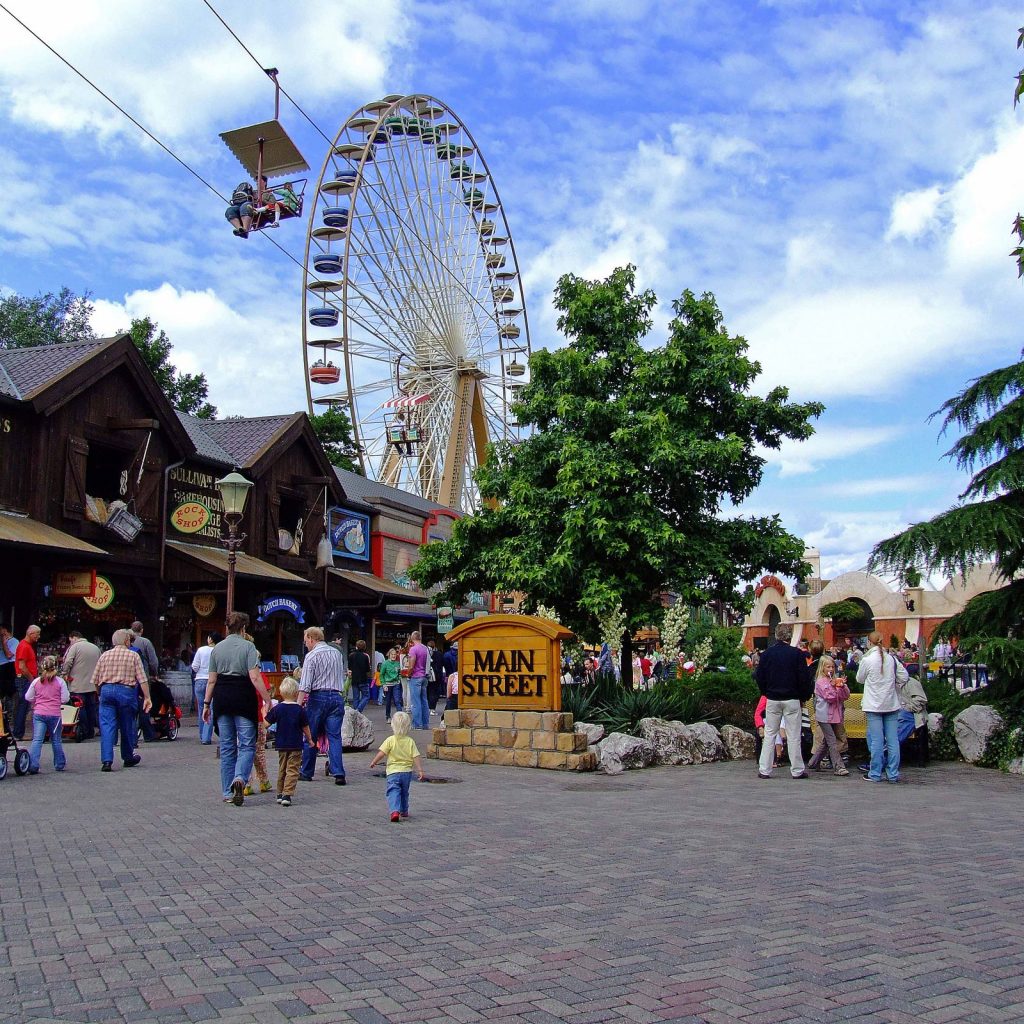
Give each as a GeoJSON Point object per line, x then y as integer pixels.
{"type": "Point", "coordinates": [234, 489]}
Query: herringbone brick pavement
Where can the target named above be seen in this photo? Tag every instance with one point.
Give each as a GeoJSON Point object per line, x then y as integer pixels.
{"type": "Point", "coordinates": [516, 897]}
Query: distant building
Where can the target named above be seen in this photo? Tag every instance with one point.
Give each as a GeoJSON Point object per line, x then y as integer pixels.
{"type": "Point", "coordinates": [910, 614]}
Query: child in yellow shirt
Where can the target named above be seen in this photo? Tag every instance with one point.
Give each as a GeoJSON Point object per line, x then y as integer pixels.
{"type": "Point", "coordinates": [401, 753]}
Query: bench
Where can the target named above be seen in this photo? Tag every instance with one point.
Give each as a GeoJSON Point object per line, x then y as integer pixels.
{"type": "Point", "coordinates": [856, 724]}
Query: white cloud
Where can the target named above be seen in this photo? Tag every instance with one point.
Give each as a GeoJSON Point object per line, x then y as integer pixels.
{"type": "Point", "coordinates": [914, 213]}
{"type": "Point", "coordinates": [826, 445]}
{"type": "Point", "coordinates": [183, 76]}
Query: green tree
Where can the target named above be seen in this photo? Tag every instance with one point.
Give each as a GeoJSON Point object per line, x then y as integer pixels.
{"type": "Point", "coordinates": [185, 391]}
{"type": "Point", "coordinates": [621, 490]}
{"type": "Point", "coordinates": [46, 319]}
{"type": "Point", "coordinates": [334, 430]}
{"type": "Point", "coordinates": [987, 524]}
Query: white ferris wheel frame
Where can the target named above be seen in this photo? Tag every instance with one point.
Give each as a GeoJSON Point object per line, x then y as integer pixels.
{"type": "Point", "coordinates": [425, 298]}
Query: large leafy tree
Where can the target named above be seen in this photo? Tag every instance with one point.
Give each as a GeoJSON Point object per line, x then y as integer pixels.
{"type": "Point", "coordinates": [622, 488]}
{"type": "Point", "coordinates": [334, 430]}
{"type": "Point", "coordinates": [186, 391]}
{"type": "Point", "coordinates": [46, 319]}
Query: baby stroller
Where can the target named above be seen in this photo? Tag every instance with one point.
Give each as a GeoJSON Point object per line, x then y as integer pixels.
{"type": "Point", "coordinates": [165, 716]}
{"type": "Point", "coordinates": [21, 758]}
{"type": "Point", "coordinates": [72, 726]}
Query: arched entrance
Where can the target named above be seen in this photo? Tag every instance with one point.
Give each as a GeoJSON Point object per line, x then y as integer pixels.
{"type": "Point", "coordinates": [771, 619]}
{"type": "Point", "coordinates": [854, 629]}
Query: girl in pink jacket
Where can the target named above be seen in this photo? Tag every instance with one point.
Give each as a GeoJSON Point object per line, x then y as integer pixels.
{"type": "Point", "coordinates": [46, 695]}
{"type": "Point", "coordinates": [830, 692]}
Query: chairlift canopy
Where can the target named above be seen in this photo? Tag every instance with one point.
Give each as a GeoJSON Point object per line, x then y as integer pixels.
{"type": "Point", "coordinates": [280, 155]}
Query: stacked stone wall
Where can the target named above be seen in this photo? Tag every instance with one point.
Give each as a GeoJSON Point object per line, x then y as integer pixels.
{"type": "Point", "coordinates": [524, 739]}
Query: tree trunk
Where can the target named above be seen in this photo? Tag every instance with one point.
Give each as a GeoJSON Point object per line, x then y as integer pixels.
{"type": "Point", "coordinates": [626, 659]}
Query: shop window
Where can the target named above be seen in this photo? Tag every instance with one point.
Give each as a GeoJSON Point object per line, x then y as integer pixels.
{"type": "Point", "coordinates": [105, 480]}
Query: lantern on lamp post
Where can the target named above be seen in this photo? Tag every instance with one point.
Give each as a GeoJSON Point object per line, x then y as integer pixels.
{"type": "Point", "coordinates": [234, 489]}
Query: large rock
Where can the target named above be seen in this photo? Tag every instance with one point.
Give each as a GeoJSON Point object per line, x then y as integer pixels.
{"type": "Point", "coordinates": [594, 733]}
{"type": "Point", "coordinates": [739, 744]}
{"type": "Point", "coordinates": [672, 741]}
{"type": "Point", "coordinates": [356, 731]}
{"type": "Point", "coordinates": [618, 751]}
{"type": "Point", "coordinates": [1016, 766]}
{"type": "Point", "coordinates": [706, 742]}
{"type": "Point", "coordinates": [973, 727]}
{"type": "Point", "coordinates": [935, 723]}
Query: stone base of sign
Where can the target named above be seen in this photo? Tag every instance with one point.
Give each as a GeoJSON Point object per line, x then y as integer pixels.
{"type": "Point", "coordinates": [523, 739]}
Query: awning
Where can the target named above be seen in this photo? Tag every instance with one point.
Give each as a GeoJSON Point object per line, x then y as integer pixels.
{"type": "Point", "coordinates": [375, 586]}
{"type": "Point", "coordinates": [245, 565]}
{"type": "Point", "coordinates": [30, 532]}
{"type": "Point", "coordinates": [406, 401]}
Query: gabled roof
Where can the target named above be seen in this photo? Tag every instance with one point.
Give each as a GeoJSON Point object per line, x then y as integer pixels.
{"type": "Point", "coordinates": [24, 372]}
{"type": "Point", "coordinates": [247, 438]}
{"type": "Point", "coordinates": [359, 488]}
{"type": "Point", "coordinates": [205, 445]}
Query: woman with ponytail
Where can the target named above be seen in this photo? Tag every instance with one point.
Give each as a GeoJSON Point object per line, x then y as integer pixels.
{"type": "Point", "coordinates": [880, 673]}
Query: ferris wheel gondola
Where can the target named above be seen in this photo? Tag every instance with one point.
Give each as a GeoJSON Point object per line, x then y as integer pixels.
{"type": "Point", "coordinates": [409, 253]}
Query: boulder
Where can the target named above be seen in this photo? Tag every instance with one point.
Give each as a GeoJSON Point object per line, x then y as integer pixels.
{"type": "Point", "coordinates": [972, 729]}
{"type": "Point", "coordinates": [739, 744]}
{"type": "Point", "coordinates": [356, 731]}
{"type": "Point", "coordinates": [935, 723]}
{"type": "Point", "coordinates": [1016, 766]}
{"type": "Point", "coordinates": [594, 733]}
{"type": "Point", "coordinates": [706, 742]}
{"type": "Point", "coordinates": [618, 751]}
{"type": "Point", "coordinates": [671, 741]}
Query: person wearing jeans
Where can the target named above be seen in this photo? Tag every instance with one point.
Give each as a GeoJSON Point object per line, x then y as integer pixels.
{"type": "Point", "coordinates": [320, 691]}
{"type": "Point", "coordinates": [881, 674]}
{"type": "Point", "coordinates": [234, 689]}
{"type": "Point", "coordinates": [785, 680]}
{"type": "Point", "coordinates": [201, 668]}
{"type": "Point", "coordinates": [46, 695]}
{"type": "Point", "coordinates": [359, 669]}
{"type": "Point", "coordinates": [115, 676]}
{"type": "Point", "coordinates": [419, 676]}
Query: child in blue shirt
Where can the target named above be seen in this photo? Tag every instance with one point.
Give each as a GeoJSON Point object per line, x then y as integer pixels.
{"type": "Point", "coordinates": [292, 724]}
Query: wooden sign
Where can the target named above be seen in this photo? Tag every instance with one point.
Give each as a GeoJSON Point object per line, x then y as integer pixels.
{"type": "Point", "coordinates": [74, 583]}
{"type": "Point", "coordinates": [102, 597]}
{"type": "Point", "coordinates": [510, 663]}
{"type": "Point", "coordinates": [204, 605]}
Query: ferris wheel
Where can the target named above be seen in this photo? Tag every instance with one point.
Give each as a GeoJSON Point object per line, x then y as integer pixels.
{"type": "Point", "coordinates": [409, 253]}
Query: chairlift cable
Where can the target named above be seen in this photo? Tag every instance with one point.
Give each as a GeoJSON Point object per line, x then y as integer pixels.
{"type": "Point", "coordinates": [142, 128]}
{"type": "Point", "coordinates": [260, 65]}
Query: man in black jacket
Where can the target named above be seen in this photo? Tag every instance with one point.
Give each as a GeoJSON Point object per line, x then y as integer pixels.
{"type": "Point", "coordinates": [784, 678]}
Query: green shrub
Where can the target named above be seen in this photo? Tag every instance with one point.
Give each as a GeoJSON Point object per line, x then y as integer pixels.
{"type": "Point", "coordinates": [725, 644]}
{"type": "Point", "coordinates": [942, 745]}
{"type": "Point", "coordinates": [622, 710]}
{"type": "Point", "coordinates": [735, 686]}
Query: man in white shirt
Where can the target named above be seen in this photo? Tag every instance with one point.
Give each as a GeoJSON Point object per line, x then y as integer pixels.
{"type": "Point", "coordinates": [201, 676]}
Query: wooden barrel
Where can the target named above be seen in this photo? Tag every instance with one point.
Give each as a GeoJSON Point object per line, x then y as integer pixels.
{"type": "Point", "coordinates": [180, 685]}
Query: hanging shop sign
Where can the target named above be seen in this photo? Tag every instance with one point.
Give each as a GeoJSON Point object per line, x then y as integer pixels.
{"type": "Point", "coordinates": [102, 596]}
{"type": "Point", "coordinates": [510, 662]}
{"type": "Point", "coordinates": [74, 583]}
{"type": "Point", "coordinates": [445, 618]}
{"type": "Point", "coordinates": [281, 604]}
{"type": "Point", "coordinates": [196, 502]}
{"type": "Point", "coordinates": [204, 604]}
{"type": "Point", "coordinates": [349, 533]}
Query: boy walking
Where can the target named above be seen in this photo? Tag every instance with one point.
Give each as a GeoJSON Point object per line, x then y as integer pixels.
{"type": "Point", "coordinates": [292, 725]}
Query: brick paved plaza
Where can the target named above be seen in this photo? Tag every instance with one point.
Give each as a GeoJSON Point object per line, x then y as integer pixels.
{"type": "Point", "coordinates": [691, 894]}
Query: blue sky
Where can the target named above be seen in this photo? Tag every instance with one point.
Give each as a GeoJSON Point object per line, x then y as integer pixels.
{"type": "Point", "coordinates": [841, 175]}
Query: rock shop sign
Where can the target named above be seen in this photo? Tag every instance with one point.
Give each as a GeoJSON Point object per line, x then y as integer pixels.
{"type": "Point", "coordinates": [510, 662]}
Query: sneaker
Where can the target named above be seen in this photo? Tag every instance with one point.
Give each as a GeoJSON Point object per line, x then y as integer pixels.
{"type": "Point", "coordinates": [280, 797]}
{"type": "Point", "coordinates": [237, 232]}
{"type": "Point", "coordinates": [286, 801]}
{"type": "Point", "coordinates": [264, 787]}
{"type": "Point", "coordinates": [867, 778]}
{"type": "Point", "coordinates": [395, 816]}
{"type": "Point", "coordinates": [305, 778]}
{"type": "Point", "coordinates": [841, 771]}
{"type": "Point", "coordinates": [761, 775]}
{"type": "Point", "coordinates": [243, 233]}
{"type": "Point", "coordinates": [238, 792]}
{"type": "Point", "coordinates": [136, 760]}
{"type": "Point", "coordinates": [894, 782]}
{"type": "Point", "coordinates": [865, 768]}
{"type": "Point", "coordinates": [405, 814]}
{"type": "Point", "coordinates": [339, 780]}
{"type": "Point", "coordinates": [802, 775]}
{"type": "Point", "coordinates": [248, 791]}
{"type": "Point", "coordinates": [274, 225]}
{"type": "Point", "coordinates": [107, 766]}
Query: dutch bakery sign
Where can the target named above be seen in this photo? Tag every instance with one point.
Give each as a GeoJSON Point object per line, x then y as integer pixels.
{"type": "Point", "coordinates": [510, 662]}
{"type": "Point", "coordinates": [195, 502]}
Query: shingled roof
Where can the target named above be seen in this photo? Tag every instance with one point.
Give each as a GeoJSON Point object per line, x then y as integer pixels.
{"type": "Point", "coordinates": [25, 371]}
{"type": "Point", "coordinates": [359, 488]}
{"type": "Point", "coordinates": [234, 442]}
